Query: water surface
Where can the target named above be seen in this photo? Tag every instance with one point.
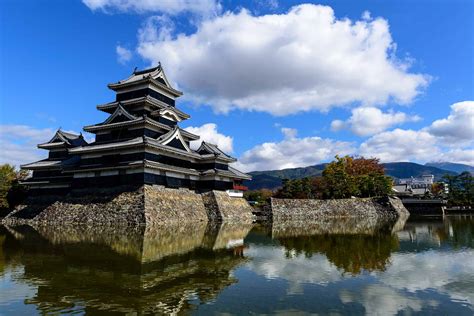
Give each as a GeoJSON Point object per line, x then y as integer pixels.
{"type": "Point", "coordinates": [339, 267]}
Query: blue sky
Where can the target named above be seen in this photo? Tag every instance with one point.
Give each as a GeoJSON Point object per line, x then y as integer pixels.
{"type": "Point", "coordinates": [277, 83]}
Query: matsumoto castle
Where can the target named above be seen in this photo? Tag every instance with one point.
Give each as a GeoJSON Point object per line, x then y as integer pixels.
{"type": "Point", "coordinates": [139, 143]}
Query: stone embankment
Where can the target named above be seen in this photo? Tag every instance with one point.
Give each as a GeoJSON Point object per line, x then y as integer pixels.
{"type": "Point", "coordinates": [301, 210]}
{"type": "Point", "coordinates": [164, 205]}
{"type": "Point", "coordinates": [156, 205]}
{"type": "Point", "coordinates": [222, 207]}
{"type": "Point", "coordinates": [146, 205]}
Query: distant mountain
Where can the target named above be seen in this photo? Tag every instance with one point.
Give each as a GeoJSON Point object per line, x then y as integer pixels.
{"type": "Point", "coordinates": [455, 167]}
{"type": "Point", "coordinates": [294, 173]}
{"type": "Point", "coordinates": [411, 169]}
{"type": "Point", "coordinates": [272, 179]}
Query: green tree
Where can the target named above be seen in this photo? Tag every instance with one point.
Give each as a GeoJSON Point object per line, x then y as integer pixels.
{"type": "Point", "coordinates": [260, 196]}
{"type": "Point", "coordinates": [11, 191]}
{"type": "Point", "coordinates": [7, 177]}
{"type": "Point", "coordinates": [296, 189]}
{"type": "Point", "coordinates": [339, 183]}
{"type": "Point", "coordinates": [461, 189]}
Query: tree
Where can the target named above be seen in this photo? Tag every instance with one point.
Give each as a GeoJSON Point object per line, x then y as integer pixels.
{"type": "Point", "coordinates": [7, 176]}
{"type": "Point", "coordinates": [437, 189]}
{"type": "Point", "coordinates": [260, 196]}
{"type": "Point", "coordinates": [349, 176]}
{"type": "Point", "coordinates": [339, 183]}
{"type": "Point", "coordinates": [461, 189]}
{"type": "Point", "coordinates": [296, 189]}
{"type": "Point", "coordinates": [342, 178]}
{"type": "Point", "coordinates": [319, 188]}
{"type": "Point", "coordinates": [11, 191]}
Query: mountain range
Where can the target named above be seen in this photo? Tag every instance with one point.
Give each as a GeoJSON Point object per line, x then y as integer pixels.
{"type": "Point", "coordinates": [272, 179]}
{"type": "Point", "coordinates": [455, 167]}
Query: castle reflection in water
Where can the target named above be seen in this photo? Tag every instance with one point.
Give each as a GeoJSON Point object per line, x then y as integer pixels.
{"type": "Point", "coordinates": [203, 268]}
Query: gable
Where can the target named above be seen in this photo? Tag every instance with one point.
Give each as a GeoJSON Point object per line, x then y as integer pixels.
{"type": "Point", "coordinates": [120, 115]}
{"type": "Point", "coordinates": [56, 139]}
{"type": "Point", "coordinates": [176, 143]}
{"type": "Point", "coordinates": [204, 151]}
{"type": "Point", "coordinates": [174, 139]}
{"type": "Point", "coordinates": [161, 77]}
{"type": "Point", "coordinates": [118, 119]}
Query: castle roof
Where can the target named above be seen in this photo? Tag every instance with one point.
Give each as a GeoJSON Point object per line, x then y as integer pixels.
{"type": "Point", "coordinates": [154, 75]}
{"type": "Point", "coordinates": [157, 144]}
{"type": "Point", "coordinates": [213, 149]}
{"type": "Point", "coordinates": [149, 100]}
{"type": "Point", "coordinates": [50, 164]}
{"type": "Point", "coordinates": [46, 163]}
{"type": "Point", "coordinates": [63, 139]}
{"type": "Point", "coordinates": [232, 173]}
{"type": "Point", "coordinates": [147, 121]}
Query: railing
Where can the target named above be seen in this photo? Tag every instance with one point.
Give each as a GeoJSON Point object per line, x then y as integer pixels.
{"type": "Point", "coordinates": [240, 187]}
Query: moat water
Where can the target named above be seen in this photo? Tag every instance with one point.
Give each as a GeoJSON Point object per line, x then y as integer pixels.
{"type": "Point", "coordinates": [339, 267]}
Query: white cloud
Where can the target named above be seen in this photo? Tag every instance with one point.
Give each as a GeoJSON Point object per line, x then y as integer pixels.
{"type": "Point", "coordinates": [18, 143]}
{"type": "Point", "coordinates": [458, 127]}
{"type": "Point", "coordinates": [150, 32]}
{"type": "Point", "coordinates": [434, 142]}
{"type": "Point", "coordinates": [289, 133]}
{"type": "Point", "coordinates": [400, 145]}
{"type": "Point", "coordinates": [292, 152]}
{"type": "Point", "coordinates": [366, 121]}
{"type": "Point", "coordinates": [201, 7]}
{"type": "Point", "coordinates": [303, 60]}
{"type": "Point", "coordinates": [123, 54]}
{"type": "Point", "coordinates": [465, 156]}
{"type": "Point", "coordinates": [338, 125]}
{"type": "Point", "coordinates": [209, 133]}
{"type": "Point", "coordinates": [410, 145]}
{"type": "Point", "coordinates": [396, 145]}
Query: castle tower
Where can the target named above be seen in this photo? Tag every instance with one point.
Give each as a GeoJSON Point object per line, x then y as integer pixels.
{"type": "Point", "coordinates": [141, 143]}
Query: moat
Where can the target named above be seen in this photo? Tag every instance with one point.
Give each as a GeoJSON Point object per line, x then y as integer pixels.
{"type": "Point", "coordinates": [341, 267]}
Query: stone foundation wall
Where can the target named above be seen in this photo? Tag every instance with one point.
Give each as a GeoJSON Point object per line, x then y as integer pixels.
{"type": "Point", "coordinates": [222, 207]}
{"type": "Point", "coordinates": [163, 205]}
{"type": "Point", "coordinates": [305, 209]}
{"type": "Point", "coordinates": [118, 208]}
{"type": "Point", "coordinates": [148, 205]}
